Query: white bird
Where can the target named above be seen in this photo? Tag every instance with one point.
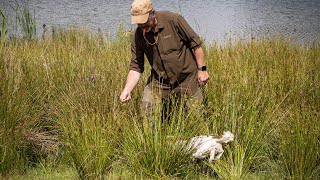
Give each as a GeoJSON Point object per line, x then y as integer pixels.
{"type": "Point", "coordinates": [204, 146]}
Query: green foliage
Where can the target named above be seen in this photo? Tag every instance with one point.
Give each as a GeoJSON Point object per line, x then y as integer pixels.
{"type": "Point", "coordinates": [159, 150]}
{"type": "Point", "coordinates": [59, 99]}
{"type": "Point", "coordinates": [256, 91]}
{"type": "Point", "coordinates": [3, 31]}
{"type": "Point", "coordinates": [87, 137]}
{"type": "Point", "coordinates": [22, 104]}
{"type": "Point", "coordinates": [26, 19]}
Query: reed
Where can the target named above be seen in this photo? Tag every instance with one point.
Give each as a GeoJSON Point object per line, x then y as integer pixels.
{"type": "Point", "coordinates": [256, 86]}
{"type": "Point", "coordinates": [157, 149]}
{"type": "Point", "coordinates": [22, 105]}
{"type": "Point", "coordinates": [84, 102]}
{"type": "Point", "coordinates": [59, 100]}
{"type": "Point", "coordinates": [4, 21]}
{"type": "Point", "coordinates": [26, 19]}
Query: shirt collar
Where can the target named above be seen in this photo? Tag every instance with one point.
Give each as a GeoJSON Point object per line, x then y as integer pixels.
{"type": "Point", "coordinates": [159, 23]}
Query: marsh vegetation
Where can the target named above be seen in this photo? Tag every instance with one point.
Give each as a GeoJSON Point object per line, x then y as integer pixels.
{"type": "Point", "coordinates": [60, 116]}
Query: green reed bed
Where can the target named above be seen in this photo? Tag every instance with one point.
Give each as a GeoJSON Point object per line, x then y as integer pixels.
{"type": "Point", "coordinates": [59, 106]}
{"type": "Point", "coordinates": [267, 93]}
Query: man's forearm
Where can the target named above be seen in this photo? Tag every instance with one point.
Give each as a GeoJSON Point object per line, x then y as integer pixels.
{"type": "Point", "coordinates": [199, 54]}
{"type": "Point", "coordinates": [203, 76]}
{"type": "Point", "coordinates": [132, 80]}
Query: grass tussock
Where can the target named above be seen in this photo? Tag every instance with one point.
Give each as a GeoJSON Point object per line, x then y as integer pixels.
{"type": "Point", "coordinates": [59, 102]}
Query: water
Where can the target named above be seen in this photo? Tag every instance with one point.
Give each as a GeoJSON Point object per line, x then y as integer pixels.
{"type": "Point", "coordinates": [215, 20]}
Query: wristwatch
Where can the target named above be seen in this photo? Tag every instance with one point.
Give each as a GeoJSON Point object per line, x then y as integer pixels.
{"type": "Point", "coordinates": [203, 68]}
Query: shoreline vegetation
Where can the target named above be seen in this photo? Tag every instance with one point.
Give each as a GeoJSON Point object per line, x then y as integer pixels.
{"type": "Point", "coordinates": [60, 117]}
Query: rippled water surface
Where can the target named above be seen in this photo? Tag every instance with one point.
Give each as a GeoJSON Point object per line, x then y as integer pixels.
{"type": "Point", "coordinates": [215, 20]}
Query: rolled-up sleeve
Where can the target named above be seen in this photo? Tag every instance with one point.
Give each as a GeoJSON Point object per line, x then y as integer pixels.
{"type": "Point", "coordinates": [137, 55]}
{"type": "Point", "coordinates": [187, 33]}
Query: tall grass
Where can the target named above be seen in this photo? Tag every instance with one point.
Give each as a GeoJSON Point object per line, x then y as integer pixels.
{"type": "Point", "coordinates": [4, 21]}
{"type": "Point", "coordinates": [59, 100]}
{"type": "Point", "coordinates": [256, 87]}
{"type": "Point", "coordinates": [22, 105]}
{"type": "Point", "coordinates": [156, 149]}
{"type": "Point", "coordinates": [26, 19]}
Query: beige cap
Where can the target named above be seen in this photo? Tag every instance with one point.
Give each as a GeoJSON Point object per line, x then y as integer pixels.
{"type": "Point", "coordinates": [140, 11]}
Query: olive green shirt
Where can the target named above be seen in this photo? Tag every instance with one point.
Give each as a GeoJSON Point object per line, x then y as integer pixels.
{"type": "Point", "coordinates": [172, 57]}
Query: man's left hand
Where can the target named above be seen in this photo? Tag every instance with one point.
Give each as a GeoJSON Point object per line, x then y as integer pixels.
{"type": "Point", "coordinates": [203, 77]}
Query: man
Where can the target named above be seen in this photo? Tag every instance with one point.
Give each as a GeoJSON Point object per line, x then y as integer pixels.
{"type": "Point", "coordinates": [174, 52]}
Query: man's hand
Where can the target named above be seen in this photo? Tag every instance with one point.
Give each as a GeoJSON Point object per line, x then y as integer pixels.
{"type": "Point", "coordinates": [203, 77]}
{"type": "Point", "coordinates": [132, 80]}
{"type": "Point", "coordinates": [125, 96]}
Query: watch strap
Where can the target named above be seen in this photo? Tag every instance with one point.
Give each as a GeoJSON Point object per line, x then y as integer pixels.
{"type": "Point", "coordinates": [203, 68]}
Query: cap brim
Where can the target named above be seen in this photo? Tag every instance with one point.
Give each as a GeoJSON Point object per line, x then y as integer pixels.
{"type": "Point", "coordinates": [141, 19]}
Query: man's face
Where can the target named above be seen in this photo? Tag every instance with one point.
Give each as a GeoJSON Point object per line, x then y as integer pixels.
{"type": "Point", "coordinates": [149, 24]}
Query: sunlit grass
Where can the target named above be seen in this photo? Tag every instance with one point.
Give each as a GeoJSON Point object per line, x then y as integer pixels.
{"type": "Point", "coordinates": [59, 100]}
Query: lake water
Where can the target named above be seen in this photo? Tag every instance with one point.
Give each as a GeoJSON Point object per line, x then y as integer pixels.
{"type": "Point", "coordinates": [215, 20]}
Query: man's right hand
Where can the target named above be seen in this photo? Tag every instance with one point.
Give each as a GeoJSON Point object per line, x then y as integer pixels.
{"type": "Point", "coordinates": [125, 96]}
{"type": "Point", "coordinates": [132, 80]}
